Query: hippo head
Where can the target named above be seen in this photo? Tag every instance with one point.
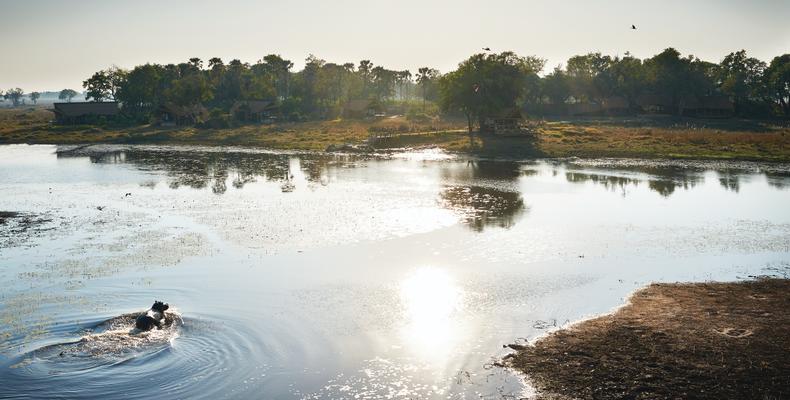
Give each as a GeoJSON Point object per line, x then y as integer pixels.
{"type": "Point", "coordinates": [159, 306]}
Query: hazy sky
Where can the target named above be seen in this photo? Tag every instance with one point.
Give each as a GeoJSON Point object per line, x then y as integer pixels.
{"type": "Point", "coordinates": [54, 44]}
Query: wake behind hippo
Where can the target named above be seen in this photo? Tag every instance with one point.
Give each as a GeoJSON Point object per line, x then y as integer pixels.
{"type": "Point", "coordinates": [154, 317]}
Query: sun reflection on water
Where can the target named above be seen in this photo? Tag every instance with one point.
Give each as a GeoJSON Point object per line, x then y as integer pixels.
{"type": "Point", "coordinates": [431, 300]}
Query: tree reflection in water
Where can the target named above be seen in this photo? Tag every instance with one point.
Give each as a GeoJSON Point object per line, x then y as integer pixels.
{"type": "Point", "coordinates": [663, 182]}
{"type": "Point", "coordinates": [475, 192]}
{"type": "Point", "coordinates": [480, 206]}
{"type": "Point", "coordinates": [212, 169]}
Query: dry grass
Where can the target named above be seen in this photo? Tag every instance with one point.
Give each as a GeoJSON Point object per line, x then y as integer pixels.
{"type": "Point", "coordinates": [645, 138]}
{"type": "Point", "coordinates": [703, 341]}
{"type": "Point", "coordinates": [768, 143]}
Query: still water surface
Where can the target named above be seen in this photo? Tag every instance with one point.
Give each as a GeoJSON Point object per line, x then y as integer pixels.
{"type": "Point", "coordinates": [335, 276]}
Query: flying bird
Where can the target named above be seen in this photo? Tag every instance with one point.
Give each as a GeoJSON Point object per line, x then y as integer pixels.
{"type": "Point", "coordinates": [487, 48]}
{"type": "Point", "coordinates": [633, 26]}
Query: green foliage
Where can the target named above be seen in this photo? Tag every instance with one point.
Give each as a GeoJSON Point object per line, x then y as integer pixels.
{"type": "Point", "coordinates": [143, 89]}
{"type": "Point", "coordinates": [189, 90]}
{"type": "Point", "coordinates": [777, 80]}
{"type": "Point", "coordinates": [15, 95]}
{"type": "Point", "coordinates": [67, 94]}
{"type": "Point", "coordinates": [557, 87]}
{"type": "Point", "coordinates": [482, 85]}
{"type": "Point", "coordinates": [741, 77]}
{"type": "Point", "coordinates": [104, 85]}
{"type": "Point", "coordinates": [485, 84]}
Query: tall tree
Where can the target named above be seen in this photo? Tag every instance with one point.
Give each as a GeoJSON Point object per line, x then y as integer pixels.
{"type": "Point", "coordinates": [196, 63]}
{"type": "Point", "coordinates": [280, 70]}
{"type": "Point", "coordinates": [104, 85]}
{"type": "Point", "coordinates": [216, 68]}
{"type": "Point", "coordinates": [777, 82]}
{"type": "Point", "coordinates": [403, 79]}
{"type": "Point", "coordinates": [676, 77]}
{"type": "Point", "coordinates": [383, 82]}
{"type": "Point", "coordinates": [67, 94]}
{"type": "Point", "coordinates": [483, 85]}
{"type": "Point", "coordinates": [628, 77]}
{"type": "Point", "coordinates": [189, 90]}
{"type": "Point", "coordinates": [34, 96]}
{"type": "Point", "coordinates": [426, 77]}
{"type": "Point", "coordinates": [15, 95]}
{"type": "Point", "coordinates": [143, 89]}
{"type": "Point", "coordinates": [365, 71]}
{"type": "Point", "coordinates": [97, 86]}
{"type": "Point", "coordinates": [587, 78]}
{"type": "Point", "coordinates": [741, 77]}
{"type": "Point", "coordinates": [556, 86]}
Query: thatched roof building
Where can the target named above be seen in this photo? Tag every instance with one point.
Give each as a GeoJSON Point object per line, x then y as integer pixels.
{"type": "Point", "coordinates": [254, 110]}
{"type": "Point", "coordinates": [506, 122]}
{"type": "Point", "coordinates": [82, 112]}
{"type": "Point", "coordinates": [170, 114]}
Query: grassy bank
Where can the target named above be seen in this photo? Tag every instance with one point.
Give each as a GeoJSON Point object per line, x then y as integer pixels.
{"type": "Point", "coordinates": [702, 341]}
{"type": "Point", "coordinates": [643, 137]}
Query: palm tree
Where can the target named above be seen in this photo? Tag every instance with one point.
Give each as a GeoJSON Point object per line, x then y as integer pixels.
{"type": "Point", "coordinates": [424, 77]}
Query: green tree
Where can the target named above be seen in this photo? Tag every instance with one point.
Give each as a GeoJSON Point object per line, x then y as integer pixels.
{"type": "Point", "coordinates": [365, 72]}
{"type": "Point", "coordinates": [426, 78]}
{"type": "Point", "coordinates": [67, 94]}
{"type": "Point", "coordinates": [196, 63]}
{"type": "Point", "coordinates": [15, 95]}
{"type": "Point", "coordinates": [676, 77]}
{"type": "Point", "coordinates": [280, 70]}
{"type": "Point", "coordinates": [383, 82]}
{"type": "Point", "coordinates": [628, 77]}
{"type": "Point", "coordinates": [557, 87]}
{"type": "Point", "coordinates": [587, 78]}
{"type": "Point", "coordinates": [484, 84]}
{"type": "Point", "coordinates": [216, 68]}
{"type": "Point", "coordinates": [741, 77]}
{"type": "Point", "coordinates": [97, 86]}
{"type": "Point", "coordinates": [189, 90]}
{"type": "Point", "coordinates": [402, 79]}
{"type": "Point", "coordinates": [34, 96]}
{"type": "Point", "coordinates": [143, 89]}
{"type": "Point", "coordinates": [777, 82]}
{"type": "Point", "coordinates": [104, 85]}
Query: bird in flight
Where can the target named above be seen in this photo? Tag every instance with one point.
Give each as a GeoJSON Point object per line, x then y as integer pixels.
{"type": "Point", "coordinates": [633, 26]}
{"type": "Point", "coordinates": [487, 48]}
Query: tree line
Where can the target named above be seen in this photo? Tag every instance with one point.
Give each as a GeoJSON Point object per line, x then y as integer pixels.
{"type": "Point", "coordinates": [487, 83]}
{"type": "Point", "coordinates": [483, 84]}
{"type": "Point", "coordinates": [317, 91]}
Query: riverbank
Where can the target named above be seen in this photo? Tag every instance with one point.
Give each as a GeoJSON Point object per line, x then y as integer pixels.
{"type": "Point", "coordinates": [702, 340]}
{"type": "Point", "coordinates": [637, 137]}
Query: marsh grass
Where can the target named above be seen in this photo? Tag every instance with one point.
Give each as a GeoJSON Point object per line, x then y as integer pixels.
{"type": "Point", "coordinates": [648, 137]}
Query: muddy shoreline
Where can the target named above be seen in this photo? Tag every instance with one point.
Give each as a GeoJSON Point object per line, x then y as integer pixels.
{"type": "Point", "coordinates": [697, 340]}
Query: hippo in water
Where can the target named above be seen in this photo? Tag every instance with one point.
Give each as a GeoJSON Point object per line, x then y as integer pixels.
{"type": "Point", "coordinates": [154, 317]}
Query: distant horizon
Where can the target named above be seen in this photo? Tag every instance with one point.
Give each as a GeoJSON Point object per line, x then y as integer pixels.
{"type": "Point", "coordinates": [50, 54]}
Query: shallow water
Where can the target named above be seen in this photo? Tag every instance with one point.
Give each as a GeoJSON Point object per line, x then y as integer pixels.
{"type": "Point", "coordinates": [388, 277]}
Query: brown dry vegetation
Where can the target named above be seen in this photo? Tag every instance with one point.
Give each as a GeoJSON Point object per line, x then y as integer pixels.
{"type": "Point", "coordinates": [701, 341]}
{"type": "Point", "coordinates": [727, 139]}
{"type": "Point", "coordinates": [587, 138]}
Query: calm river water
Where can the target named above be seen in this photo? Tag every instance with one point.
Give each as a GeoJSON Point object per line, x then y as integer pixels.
{"type": "Point", "coordinates": [318, 276]}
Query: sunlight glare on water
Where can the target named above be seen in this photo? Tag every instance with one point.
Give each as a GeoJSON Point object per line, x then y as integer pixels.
{"type": "Point", "coordinates": [431, 298]}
